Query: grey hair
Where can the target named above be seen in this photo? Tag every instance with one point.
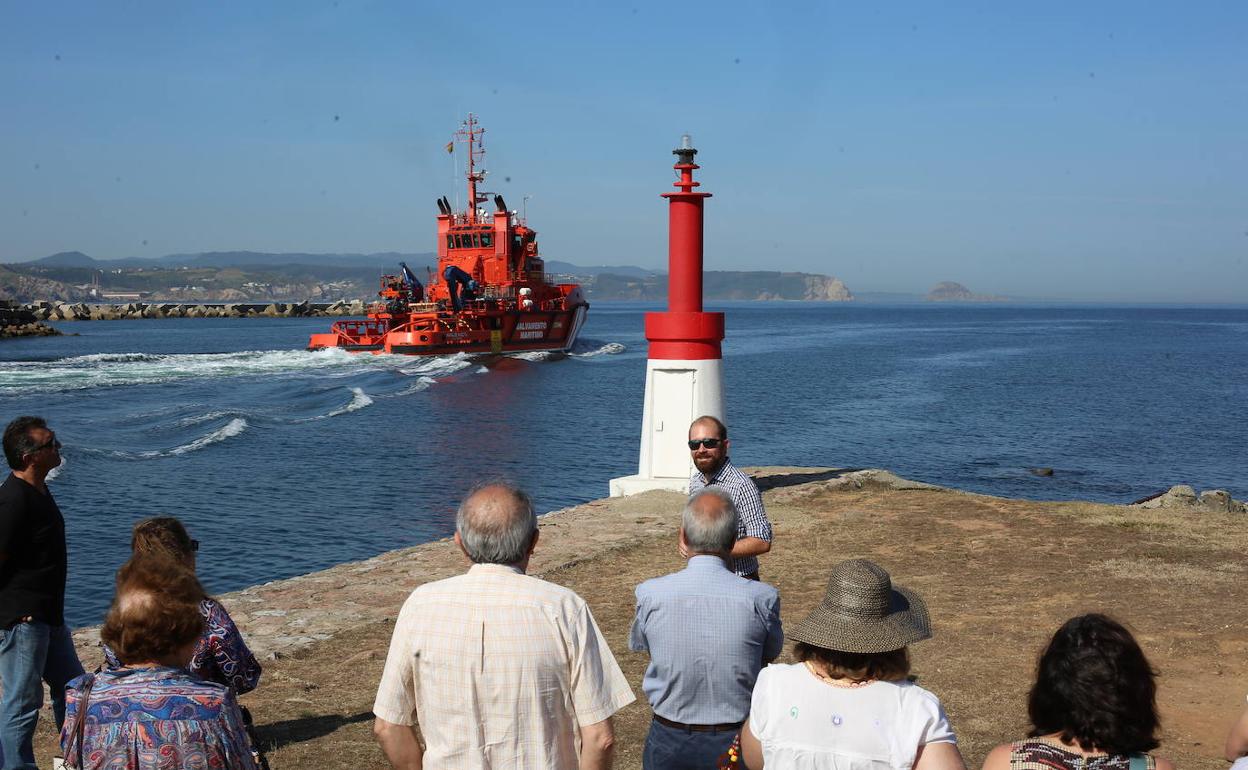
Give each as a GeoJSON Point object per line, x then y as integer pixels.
{"type": "Point", "coordinates": [494, 534]}
{"type": "Point", "coordinates": [710, 531]}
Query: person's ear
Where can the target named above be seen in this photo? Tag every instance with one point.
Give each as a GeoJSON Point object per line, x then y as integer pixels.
{"type": "Point", "coordinates": [459, 541]}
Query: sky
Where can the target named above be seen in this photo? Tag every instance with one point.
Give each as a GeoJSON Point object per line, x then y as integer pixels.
{"type": "Point", "coordinates": [1088, 151]}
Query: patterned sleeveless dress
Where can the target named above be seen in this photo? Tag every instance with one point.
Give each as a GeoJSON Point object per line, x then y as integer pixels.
{"type": "Point", "coordinates": [1042, 754]}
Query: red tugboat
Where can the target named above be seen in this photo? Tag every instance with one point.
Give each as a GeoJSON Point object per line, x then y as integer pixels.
{"type": "Point", "coordinates": [489, 295]}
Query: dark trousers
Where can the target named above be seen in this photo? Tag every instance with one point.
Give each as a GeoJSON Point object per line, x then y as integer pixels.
{"type": "Point", "coordinates": [671, 748]}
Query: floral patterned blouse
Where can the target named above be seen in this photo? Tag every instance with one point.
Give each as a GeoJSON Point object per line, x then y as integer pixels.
{"type": "Point", "coordinates": [220, 656]}
{"type": "Point", "coordinates": [156, 718]}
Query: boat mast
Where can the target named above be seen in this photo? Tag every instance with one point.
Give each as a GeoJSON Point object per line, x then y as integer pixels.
{"type": "Point", "coordinates": [476, 152]}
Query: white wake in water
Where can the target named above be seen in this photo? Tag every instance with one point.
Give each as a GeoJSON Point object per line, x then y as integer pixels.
{"type": "Point", "coordinates": [582, 349]}
{"type": "Point", "coordinates": [607, 349]}
{"type": "Point", "coordinates": [359, 400]}
{"type": "Point", "coordinates": [143, 369]}
{"type": "Point", "coordinates": [536, 355]}
{"type": "Point", "coordinates": [229, 430]}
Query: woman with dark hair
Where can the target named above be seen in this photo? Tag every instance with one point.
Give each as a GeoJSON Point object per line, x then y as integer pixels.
{"type": "Point", "coordinates": [221, 655]}
{"type": "Point", "coordinates": [1093, 706]}
{"type": "Point", "coordinates": [151, 713]}
{"type": "Point", "coordinates": [848, 704]}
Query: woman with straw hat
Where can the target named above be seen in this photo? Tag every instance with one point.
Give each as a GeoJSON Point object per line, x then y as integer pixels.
{"type": "Point", "coordinates": [847, 704]}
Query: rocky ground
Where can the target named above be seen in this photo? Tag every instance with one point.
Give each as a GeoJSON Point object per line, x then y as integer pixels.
{"type": "Point", "coordinates": [999, 576]}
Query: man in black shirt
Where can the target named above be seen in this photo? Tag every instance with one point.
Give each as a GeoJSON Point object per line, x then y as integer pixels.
{"type": "Point", "coordinates": [35, 644]}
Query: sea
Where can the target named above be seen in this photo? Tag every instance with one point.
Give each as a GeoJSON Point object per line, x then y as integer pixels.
{"type": "Point", "coordinates": [282, 461]}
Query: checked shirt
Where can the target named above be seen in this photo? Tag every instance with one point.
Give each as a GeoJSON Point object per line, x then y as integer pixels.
{"type": "Point", "coordinates": [752, 519]}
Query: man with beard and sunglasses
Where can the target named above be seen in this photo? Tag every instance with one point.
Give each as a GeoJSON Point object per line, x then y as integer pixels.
{"type": "Point", "coordinates": [708, 443]}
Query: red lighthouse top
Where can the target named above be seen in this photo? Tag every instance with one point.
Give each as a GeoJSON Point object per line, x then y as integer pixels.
{"type": "Point", "coordinates": [684, 331]}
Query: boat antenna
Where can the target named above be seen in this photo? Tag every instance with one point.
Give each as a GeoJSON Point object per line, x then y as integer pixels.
{"type": "Point", "coordinates": [471, 134]}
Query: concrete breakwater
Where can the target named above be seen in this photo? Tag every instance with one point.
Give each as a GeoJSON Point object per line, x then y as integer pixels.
{"type": "Point", "coordinates": [84, 311]}
{"type": "Point", "coordinates": [21, 322]}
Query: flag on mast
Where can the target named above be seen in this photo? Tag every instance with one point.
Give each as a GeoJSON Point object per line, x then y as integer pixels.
{"type": "Point", "coordinates": [450, 146]}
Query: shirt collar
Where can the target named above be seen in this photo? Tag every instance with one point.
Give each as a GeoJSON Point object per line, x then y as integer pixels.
{"type": "Point", "coordinates": [714, 477]}
{"type": "Point", "coordinates": [706, 561]}
{"type": "Point", "coordinates": [496, 569]}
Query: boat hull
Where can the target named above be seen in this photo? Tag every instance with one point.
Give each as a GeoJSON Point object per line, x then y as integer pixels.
{"type": "Point", "coordinates": [436, 334]}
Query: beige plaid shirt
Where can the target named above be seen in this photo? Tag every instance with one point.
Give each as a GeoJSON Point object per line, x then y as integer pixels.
{"type": "Point", "coordinates": [502, 669]}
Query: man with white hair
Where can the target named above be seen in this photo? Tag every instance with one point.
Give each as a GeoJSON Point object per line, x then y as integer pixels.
{"type": "Point", "coordinates": [709, 632]}
{"type": "Point", "coordinates": [501, 669]}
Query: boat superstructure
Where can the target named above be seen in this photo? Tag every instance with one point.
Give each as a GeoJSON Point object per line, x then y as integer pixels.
{"type": "Point", "coordinates": [489, 294]}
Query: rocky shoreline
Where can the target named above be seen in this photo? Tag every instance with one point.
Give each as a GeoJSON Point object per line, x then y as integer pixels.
{"type": "Point", "coordinates": [84, 311]}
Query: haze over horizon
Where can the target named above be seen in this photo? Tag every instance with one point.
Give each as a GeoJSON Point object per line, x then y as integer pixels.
{"type": "Point", "coordinates": [1085, 152]}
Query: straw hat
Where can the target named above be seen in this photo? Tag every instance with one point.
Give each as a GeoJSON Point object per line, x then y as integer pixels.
{"type": "Point", "coordinates": [864, 612]}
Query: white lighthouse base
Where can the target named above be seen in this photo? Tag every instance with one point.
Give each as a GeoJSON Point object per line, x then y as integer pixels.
{"type": "Point", "coordinates": [677, 393]}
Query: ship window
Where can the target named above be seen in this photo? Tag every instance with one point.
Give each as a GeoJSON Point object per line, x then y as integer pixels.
{"type": "Point", "coordinates": [485, 240]}
{"type": "Point", "coordinates": [459, 241]}
{"type": "Point", "coordinates": [474, 241]}
{"type": "Point", "coordinates": [450, 241]}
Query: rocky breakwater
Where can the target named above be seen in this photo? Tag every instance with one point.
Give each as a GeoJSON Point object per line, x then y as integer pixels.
{"type": "Point", "coordinates": [21, 322]}
{"type": "Point", "coordinates": [84, 311]}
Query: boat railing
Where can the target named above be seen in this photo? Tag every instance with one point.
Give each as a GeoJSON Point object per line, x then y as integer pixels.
{"type": "Point", "coordinates": [469, 218]}
{"type": "Point", "coordinates": [356, 328]}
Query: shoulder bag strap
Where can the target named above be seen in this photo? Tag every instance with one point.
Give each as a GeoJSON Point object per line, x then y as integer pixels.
{"type": "Point", "coordinates": [80, 719]}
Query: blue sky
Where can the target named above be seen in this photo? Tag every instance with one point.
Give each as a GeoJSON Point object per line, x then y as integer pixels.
{"type": "Point", "coordinates": [1087, 151]}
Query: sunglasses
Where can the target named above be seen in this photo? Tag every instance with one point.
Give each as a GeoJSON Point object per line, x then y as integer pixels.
{"type": "Point", "coordinates": [709, 443]}
{"type": "Point", "coordinates": [52, 442]}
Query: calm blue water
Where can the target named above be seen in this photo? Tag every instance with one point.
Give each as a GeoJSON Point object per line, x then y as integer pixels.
{"type": "Point", "coordinates": [282, 462]}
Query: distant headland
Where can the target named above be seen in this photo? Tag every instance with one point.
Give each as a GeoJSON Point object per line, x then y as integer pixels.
{"type": "Point", "coordinates": [259, 277]}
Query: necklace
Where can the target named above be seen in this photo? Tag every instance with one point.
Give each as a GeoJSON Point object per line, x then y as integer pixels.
{"type": "Point", "coordinates": [847, 684]}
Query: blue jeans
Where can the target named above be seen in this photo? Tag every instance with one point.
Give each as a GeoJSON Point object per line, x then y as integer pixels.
{"type": "Point", "coordinates": [671, 748]}
{"type": "Point", "coordinates": [32, 653]}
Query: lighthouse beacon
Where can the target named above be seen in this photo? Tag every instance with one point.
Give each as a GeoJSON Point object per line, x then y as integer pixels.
{"type": "Point", "coordinates": [684, 371]}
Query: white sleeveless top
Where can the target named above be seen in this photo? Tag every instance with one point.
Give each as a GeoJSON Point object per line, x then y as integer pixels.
{"type": "Point", "coordinates": [803, 722]}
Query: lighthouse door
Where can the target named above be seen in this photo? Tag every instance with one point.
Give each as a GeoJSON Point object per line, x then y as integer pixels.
{"type": "Point", "coordinates": [672, 399]}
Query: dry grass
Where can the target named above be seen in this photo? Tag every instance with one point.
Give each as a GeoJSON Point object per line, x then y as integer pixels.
{"type": "Point", "coordinates": [999, 577]}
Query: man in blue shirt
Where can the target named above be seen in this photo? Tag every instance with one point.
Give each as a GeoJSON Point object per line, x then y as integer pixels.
{"type": "Point", "coordinates": [709, 632]}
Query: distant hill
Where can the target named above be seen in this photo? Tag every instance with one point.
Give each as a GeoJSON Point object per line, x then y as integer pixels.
{"type": "Point", "coordinates": [724, 285]}
{"type": "Point", "coordinates": [949, 291]}
{"type": "Point", "coordinates": [68, 259]}
{"type": "Point", "coordinates": [385, 259]}
{"type": "Point", "coordinates": [239, 276]}
{"type": "Point", "coordinates": [626, 271]}
{"type": "Point", "coordinates": [25, 288]}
